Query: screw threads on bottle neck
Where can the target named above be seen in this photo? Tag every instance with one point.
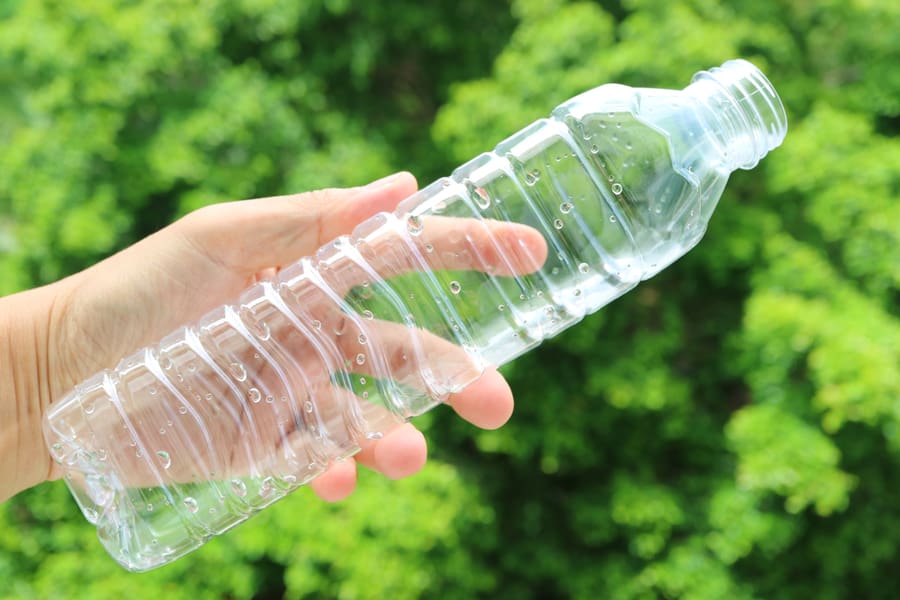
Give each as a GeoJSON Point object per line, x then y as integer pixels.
{"type": "Point", "coordinates": [751, 116]}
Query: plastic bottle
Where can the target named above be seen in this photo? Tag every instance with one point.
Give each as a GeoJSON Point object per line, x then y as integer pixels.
{"type": "Point", "coordinates": [189, 437]}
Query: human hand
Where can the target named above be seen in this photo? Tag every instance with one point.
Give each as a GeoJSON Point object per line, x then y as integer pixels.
{"type": "Point", "coordinates": [86, 322]}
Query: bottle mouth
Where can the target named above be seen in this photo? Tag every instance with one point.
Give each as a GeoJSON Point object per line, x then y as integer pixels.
{"type": "Point", "coordinates": [757, 104]}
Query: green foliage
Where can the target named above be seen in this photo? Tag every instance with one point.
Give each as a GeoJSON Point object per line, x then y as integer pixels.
{"type": "Point", "coordinates": [731, 429]}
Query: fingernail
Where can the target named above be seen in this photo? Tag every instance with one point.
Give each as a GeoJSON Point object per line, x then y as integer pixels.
{"type": "Point", "coordinates": [384, 181]}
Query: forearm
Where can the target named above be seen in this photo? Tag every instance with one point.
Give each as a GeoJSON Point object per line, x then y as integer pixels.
{"type": "Point", "coordinates": [26, 320]}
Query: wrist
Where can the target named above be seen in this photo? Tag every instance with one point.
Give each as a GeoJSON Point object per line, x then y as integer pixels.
{"type": "Point", "coordinates": [27, 385]}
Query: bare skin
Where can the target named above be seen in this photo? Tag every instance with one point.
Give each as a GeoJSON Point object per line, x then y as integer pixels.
{"type": "Point", "coordinates": [55, 336]}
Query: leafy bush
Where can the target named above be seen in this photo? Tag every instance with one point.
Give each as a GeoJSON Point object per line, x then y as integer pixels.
{"type": "Point", "coordinates": [730, 429]}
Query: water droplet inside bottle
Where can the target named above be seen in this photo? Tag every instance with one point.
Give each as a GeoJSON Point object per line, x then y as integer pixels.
{"type": "Point", "coordinates": [289, 479]}
{"type": "Point", "coordinates": [164, 459]}
{"type": "Point", "coordinates": [362, 380]}
{"type": "Point", "coordinates": [150, 509]}
{"type": "Point", "coordinates": [360, 359]}
{"type": "Point", "coordinates": [482, 199]}
{"type": "Point", "coordinates": [429, 248]}
{"type": "Point", "coordinates": [616, 188]}
{"type": "Point", "coordinates": [317, 324]}
{"type": "Point", "coordinates": [262, 331]}
{"type": "Point", "coordinates": [595, 149]}
{"type": "Point", "coordinates": [558, 223]}
{"type": "Point", "coordinates": [501, 307]}
{"type": "Point", "coordinates": [238, 371]}
{"type": "Point", "coordinates": [166, 363]}
{"type": "Point", "coordinates": [362, 339]}
{"type": "Point", "coordinates": [368, 314]}
{"type": "Point", "coordinates": [374, 435]}
{"type": "Point", "coordinates": [270, 399]}
{"type": "Point", "coordinates": [414, 224]}
{"type": "Point", "coordinates": [239, 488]}
{"type": "Point", "coordinates": [308, 406]}
{"type": "Point", "coordinates": [565, 208]}
{"type": "Point", "coordinates": [190, 503]}
{"type": "Point", "coordinates": [101, 454]}
{"type": "Point", "coordinates": [58, 450]}
{"type": "Point", "coordinates": [254, 395]}
{"type": "Point", "coordinates": [162, 431]}
{"type": "Point", "coordinates": [584, 267]}
{"type": "Point", "coordinates": [532, 177]}
{"type": "Point", "coordinates": [612, 218]}
{"type": "Point", "coordinates": [455, 288]}
{"type": "Point", "coordinates": [152, 390]}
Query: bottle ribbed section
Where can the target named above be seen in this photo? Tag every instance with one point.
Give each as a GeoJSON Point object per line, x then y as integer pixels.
{"type": "Point", "coordinates": [747, 108]}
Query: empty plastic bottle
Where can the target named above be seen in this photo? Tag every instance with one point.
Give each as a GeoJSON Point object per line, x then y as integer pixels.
{"type": "Point", "coordinates": [189, 437]}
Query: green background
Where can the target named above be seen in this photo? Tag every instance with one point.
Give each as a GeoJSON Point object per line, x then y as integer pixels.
{"type": "Point", "coordinates": [731, 429]}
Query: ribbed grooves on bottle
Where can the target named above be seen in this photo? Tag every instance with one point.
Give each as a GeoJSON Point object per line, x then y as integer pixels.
{"type": "Point", "coordinates": [282, 359]}
{"type": "Point", "coordinates": [470, 196]}
{"type": "Point", "coordinates": [602, 185]}
{"type": "Point", "coordinates": [196, 344]}
{"type": "Point", "coordinates": [385, 377]}
{"type": "Point", "coordinates": [332, 354]}
{"type": "Point", "coordinates": [755, 103]}
{"type": "Point", "coordinates": [541, 212]}
{"type": "Point", "coordinates": [521, 176]}
{"type": "Point", "coordinates": [308, 332]}
{"type": "Point", "coordinates": [171, 487]}
{"type": "Point", "coordinates": [507, 167]}
{"type": "Point", "coordinates": [278, 364]}
{"type": "Point", "coordinates": [455, 325]}
{"type": "Point", "coordinates": [462, 336]}
{"type": "Point", "coordinates": [112, 387]}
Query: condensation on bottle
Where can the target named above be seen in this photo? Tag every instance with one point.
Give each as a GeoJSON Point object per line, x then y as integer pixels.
{"type": "Point", "coordinates": [189, 437]}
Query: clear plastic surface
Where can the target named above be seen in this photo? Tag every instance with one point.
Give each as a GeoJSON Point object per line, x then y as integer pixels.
{"type": "Point", "coordinates": [189, 437]}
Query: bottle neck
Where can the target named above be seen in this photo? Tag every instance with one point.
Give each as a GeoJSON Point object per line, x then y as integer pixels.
{"type": "Point", "coordinates": [747, 113]}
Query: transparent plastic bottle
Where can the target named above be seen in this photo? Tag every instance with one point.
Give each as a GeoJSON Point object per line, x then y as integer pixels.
{"type": "Point", "coordinates": [187, 438]}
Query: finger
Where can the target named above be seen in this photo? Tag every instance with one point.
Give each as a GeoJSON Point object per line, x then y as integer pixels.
{"type": "Point", "coordinates": [401, 453]}
{"type": "Point", "coordinates": [252, 235]}
{"type": "Point", "coordinates": [486, 403]}
{"type": "Point", "coordinates": [337, 482]}
{"type": "Point", "coordinates": [489, 246]}
{"type": "Point", "coordinates": [444, 243]}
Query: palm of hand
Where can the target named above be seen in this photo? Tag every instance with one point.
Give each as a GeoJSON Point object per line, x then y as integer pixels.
{"type": "Point", "coordinates": [205, 260]}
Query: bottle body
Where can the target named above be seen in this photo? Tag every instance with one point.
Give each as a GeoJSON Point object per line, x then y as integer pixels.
{"type": "Point", "coordinates": [189, 437]}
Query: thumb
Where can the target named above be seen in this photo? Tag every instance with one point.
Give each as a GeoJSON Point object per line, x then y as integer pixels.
{"type": "Point", "coordinates": [252, 235]}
